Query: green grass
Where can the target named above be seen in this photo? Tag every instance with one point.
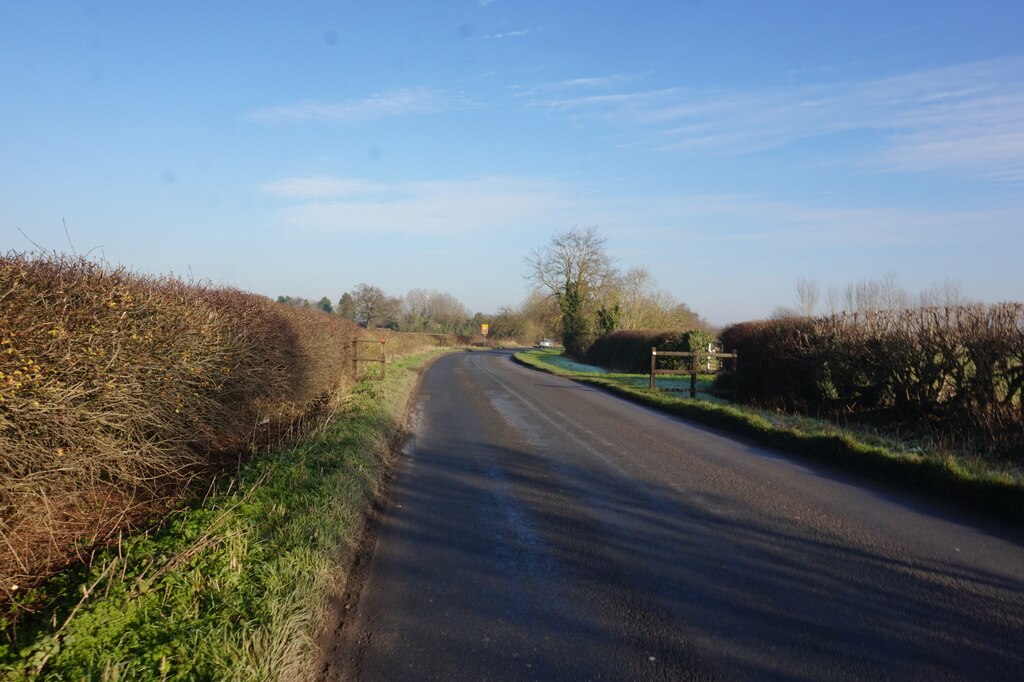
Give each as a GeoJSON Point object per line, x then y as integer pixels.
{"type": "Point", "coordinates": [973, 482]}
{"type": "Point", "coordinates": [554, 359]}
{"type": "Point", "coordinates": [233, 588]}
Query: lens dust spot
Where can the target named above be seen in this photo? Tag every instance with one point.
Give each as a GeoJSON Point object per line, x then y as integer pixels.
{"type": "Point", "coordinates": [374, 153]}
{"type": "Point", "coordinates": [331, 38]}
{"type": "Point", "coordinates": [168, 177]}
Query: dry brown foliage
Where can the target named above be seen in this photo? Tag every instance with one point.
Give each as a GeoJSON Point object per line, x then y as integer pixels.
{"type": "Point", "coordinates": [955, 369]}
{"type": "Point", "coordinates": [117, 390]}
{"type": "Point", "coordinates": [630, 350]}
{"type": "Point", "coordinates": [408, 343]}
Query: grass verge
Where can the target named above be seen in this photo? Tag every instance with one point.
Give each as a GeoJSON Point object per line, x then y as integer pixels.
{"type": "Point", "coordinates": [233, 588]}
{"type": "Point", "coordinates": [975, 484]}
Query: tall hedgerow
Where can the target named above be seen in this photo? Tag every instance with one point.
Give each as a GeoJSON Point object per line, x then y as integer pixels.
{"type": "Point", "coordinates": [117, 391]}
{"type": "Point", "coordinates": [957, 370]}
{"type": "Point", "coordinates": [630, 350]}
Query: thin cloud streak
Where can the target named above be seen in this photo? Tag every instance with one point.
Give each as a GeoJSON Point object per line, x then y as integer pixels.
{"type": "Point", "coordinates": [709, 220]}
{"type": "Point", "coordinates": [443, 207]}
{"type": "Point", "coordinates": [317, 187]}
{"type": "Point", "coordinates": [403, 102]}
{"type": "Point", "coordinates": [568, 85]}
{"type": "Point", "coordinates": [507, 34]}
{"type": "Point", "coordinates": [968, 117]}
{"type": "Point", "coordinates": [440, 207]}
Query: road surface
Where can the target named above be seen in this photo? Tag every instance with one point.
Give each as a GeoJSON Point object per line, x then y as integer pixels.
{"type": "Point", "coordinates": [539, 529]}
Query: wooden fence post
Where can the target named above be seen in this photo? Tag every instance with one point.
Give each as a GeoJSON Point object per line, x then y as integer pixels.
{"type": "Point", "coordinates": [693, 376]}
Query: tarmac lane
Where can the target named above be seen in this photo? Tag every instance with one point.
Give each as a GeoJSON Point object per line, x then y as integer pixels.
{"type": "Point", "coordinates": [538, 529]}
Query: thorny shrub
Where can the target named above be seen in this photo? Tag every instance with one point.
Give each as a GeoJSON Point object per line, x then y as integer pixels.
{"type": "Point", "coordinates": [630, 350]}
{"type": "Point", "coordinates": [957, 371]}
{"type": "Point", "coordinates": [118, 390]}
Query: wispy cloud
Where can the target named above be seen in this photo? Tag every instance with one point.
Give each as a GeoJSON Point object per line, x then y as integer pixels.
{"type": "Point", "coordinates": [323, 204]}
{"type": "Point", "coordinates": [436, 207]}
{"type": "Point", "coordinates": [569, 85]}
{"type": "Point", "coordinates": [506, 34]}
{"type": "Point", "coordinates": [403, 102]}
{"type": "Point", "coordinates": [754, 219]}
{"type": "Point", "coordinates": [317, 187]}
{"type": "Point", "coordinates": [966, 117]}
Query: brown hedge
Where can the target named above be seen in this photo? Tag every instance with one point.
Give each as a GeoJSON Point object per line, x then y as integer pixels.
{"type": "Point", "coordinates": [957, 370]}
{"type": "Point", "coordinates": [630, 350]}
{"type": "Point", "coordinates": [117, 390]}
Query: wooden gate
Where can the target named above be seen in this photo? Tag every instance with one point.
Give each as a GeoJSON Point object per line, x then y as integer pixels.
{"type": "Point", "coordinates": [356, 359]}
{"type": "Point", "coordinates": [694, 369]}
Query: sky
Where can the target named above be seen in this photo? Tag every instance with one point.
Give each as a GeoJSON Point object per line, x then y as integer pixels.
{"type": "Point", "coordinates": [729, 147]}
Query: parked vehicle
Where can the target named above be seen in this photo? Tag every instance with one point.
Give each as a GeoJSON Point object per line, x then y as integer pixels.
{"type": "Point", "coordinates": [545, 343]}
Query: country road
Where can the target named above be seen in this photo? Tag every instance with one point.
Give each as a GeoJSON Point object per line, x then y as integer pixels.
{"type": "Point", "coordinates": [538, 529]}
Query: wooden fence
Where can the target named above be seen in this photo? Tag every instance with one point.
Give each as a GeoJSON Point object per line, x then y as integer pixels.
{"type": "Point", "coordinates": [356, 359]}
{"type": "Point", "coordinates": [710, 367]}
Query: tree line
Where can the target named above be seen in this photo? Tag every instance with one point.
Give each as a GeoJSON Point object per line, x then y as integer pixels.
{"type": "Point", "coordinates": [420, 310]}
{"type": "Point", "coordinates": [578, 294]}
{"type": "Point", "coordinates": [590, 297]}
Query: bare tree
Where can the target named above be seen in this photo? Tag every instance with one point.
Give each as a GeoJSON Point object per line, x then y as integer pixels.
{"type": "Point", "coordinates": [894, 297]}
{"type": "Point", "coordinates": [635, 288]}
{"type": "Point", "coordinates": [374, 308]}
{"type": "Point", "coordinates": [574, 268]}
{"type": "Point", "coordinates": [832, 301]}
{"type": "Point", "coordinates": [807, 295]}
{"type": "Point", "coordinates": [574, 261]}
{"type": "Point", "coordinates": [868, 296]}
{"type": "Point", "coordinates": [947, 293]}
{"type": "Point", "coordinates": [782, 312]}
{"type": "Point", "coordinates": [543, 312]}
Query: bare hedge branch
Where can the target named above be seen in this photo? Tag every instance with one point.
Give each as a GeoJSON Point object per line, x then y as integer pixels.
{"type": "Point", "coordinates": [955, 369]}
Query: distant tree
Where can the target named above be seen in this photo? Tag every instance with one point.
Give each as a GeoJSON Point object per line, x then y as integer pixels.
{"type": "Point", "coordinates": [507, 324]}
{"type": "Point", "coordinates": [474, 323]}
{"type": "Point", "coordinates": [947, 293]}
{"type": "Point", "coordinates": [577, 328]}
{"type": "Point", "coordinates": [543, 314]}
{"type": "Point", "coordinates": [324, 304]}
{"type": "Point", "coordinates": [374, 308]}
{"type": "Point", "coordinates": [609, 317]}
{"type": "Point", "coordinates": [870, 295]}
{"type": "Point", "coordinates": [684, 317]}
{"type": "Point", "coordinates": [644, 306]}
{"type": "Point", "coordinates": [433, 311]}
{"type": "Point", "coordinates": [347, 307]}
{"type": "Point", "coordinates": [573, 268]}
{"type": "Point", "coordinates": [782, 312]}
{"type": "Point", "coordinates": [287, 300]}
{"type": "Point", "coordinates": [807, 295]}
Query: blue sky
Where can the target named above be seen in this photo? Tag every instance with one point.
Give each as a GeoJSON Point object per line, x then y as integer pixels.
{"type": "Point", "coordinates": [730, 147]}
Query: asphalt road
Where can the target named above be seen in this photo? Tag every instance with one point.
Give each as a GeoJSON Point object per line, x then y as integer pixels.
{"type": "Point", "coordinates": [543, 530]}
